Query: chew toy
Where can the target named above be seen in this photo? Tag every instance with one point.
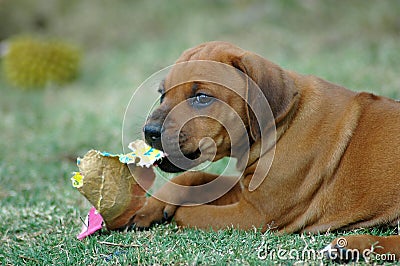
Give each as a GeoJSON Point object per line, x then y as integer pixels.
{"type": "Point", "coordinates": [110, 182]}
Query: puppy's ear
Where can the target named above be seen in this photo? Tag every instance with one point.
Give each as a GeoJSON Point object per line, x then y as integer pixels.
{"type": "Point", "coordinates": [275, 85]}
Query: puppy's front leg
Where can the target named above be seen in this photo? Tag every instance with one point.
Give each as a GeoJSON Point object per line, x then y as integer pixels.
{"type": "Point", "coordinates": [155, 210]}
{"type": "Point", "coordinates": [241, 215]}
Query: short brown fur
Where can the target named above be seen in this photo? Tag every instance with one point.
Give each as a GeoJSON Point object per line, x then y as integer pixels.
{"type": "Point", "coordinates": [336, 164]}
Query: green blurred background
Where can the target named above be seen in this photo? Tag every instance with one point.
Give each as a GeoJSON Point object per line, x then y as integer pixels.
{"type": "Point", "coordinates": [354, 43]}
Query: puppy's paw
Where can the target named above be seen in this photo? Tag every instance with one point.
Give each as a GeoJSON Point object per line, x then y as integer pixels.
{"type": "Point", "coordinates": [154, 211]}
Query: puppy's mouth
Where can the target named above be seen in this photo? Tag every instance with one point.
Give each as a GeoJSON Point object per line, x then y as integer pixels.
{"type": "Point", "coordinates": [176, 164]}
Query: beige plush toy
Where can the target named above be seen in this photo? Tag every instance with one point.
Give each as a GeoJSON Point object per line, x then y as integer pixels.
{"type": "Point", "coordinates": [115, 184]}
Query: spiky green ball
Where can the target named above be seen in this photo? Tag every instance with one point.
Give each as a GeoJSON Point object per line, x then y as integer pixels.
{"type": "Point", "coordinates": [34, 63]}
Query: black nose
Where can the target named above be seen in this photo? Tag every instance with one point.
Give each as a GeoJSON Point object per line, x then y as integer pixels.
{"type": "Point", "coordinates": [152, 134]}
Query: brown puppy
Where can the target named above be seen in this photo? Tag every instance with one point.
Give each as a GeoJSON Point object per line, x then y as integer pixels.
{"type": "Point", "coordinates": [336, 162]}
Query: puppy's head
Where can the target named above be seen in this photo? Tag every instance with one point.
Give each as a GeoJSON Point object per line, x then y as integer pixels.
{"type": "Point", "coordinates": [212, 102]}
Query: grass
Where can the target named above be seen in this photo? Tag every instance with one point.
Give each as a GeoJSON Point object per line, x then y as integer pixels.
{"type": "Point", "coordinates": [352, 43]}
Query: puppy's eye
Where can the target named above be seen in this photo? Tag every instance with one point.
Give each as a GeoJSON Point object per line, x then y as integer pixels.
{"type": "Point", "coordinates": [162, 98]}
{"type": "Point", "coordinates": [161, 91]}
{"type": "Point", "coordinates": [201, 100]}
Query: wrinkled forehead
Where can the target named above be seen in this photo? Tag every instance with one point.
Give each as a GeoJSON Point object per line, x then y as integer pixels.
{"type": "Point", "coordinates": [206, 71]}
